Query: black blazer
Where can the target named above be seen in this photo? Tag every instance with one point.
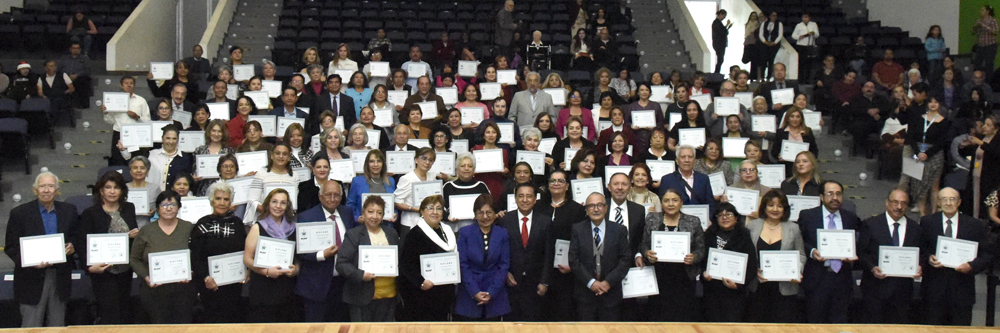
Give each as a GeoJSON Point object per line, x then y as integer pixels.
{"type": "Point", "coordinates": [94, 220]}
{"type": "Point", "coordinates": [26, 220]}
{"type": "Point", "coordinates": [356, 290]}
{"type": "Point", "coordinates": [636, 220]}
{"type": "Point", "coordinates": [308, 196]}
{"type": "Point", "coordinates": [811, 220]}
{"type": "Point", "coordinates": [528, 265]}
{"type": "Point", "coordinates": [875, 232]}
{"type": "Point", "coordinates": [614, 263]}
{"type": "Point", "coordinates": [765, 90]}
{"type": "Point", "coordinates": [939, 283]}
{"type": "Point", "coordinates": [345, 109]}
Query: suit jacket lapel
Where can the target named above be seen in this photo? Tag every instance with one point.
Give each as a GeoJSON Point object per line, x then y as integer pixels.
{"type": "Point", "coordinates": [36, 226]}
{"type": "Point", "coordinates": [534, 230]}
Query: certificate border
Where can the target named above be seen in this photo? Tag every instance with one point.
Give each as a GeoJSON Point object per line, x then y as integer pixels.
{"type": "Point", "coordinates": [185, 252]}
{"type": "Point", "coordinates": [854, 241]}
{"type": "Point", "coordinates": [219, 282]}
{"type": "Point", "coordinates": [298, 226]}
{"type": "Point", "coordinates": [21, 240]}
{"type": "Point", "coordinates": [746, 260]}
{"type": "Point", "coordinates": [798, 261]}
{"type": "Point", "coordinates": [914, 249]}
{"type": "Point", "coordinates": [109, 235]}
{"type": "Point", "coordinates": [256, 258]}
{"type": "Point", "coordinates": [654, 234]}
{"type": "Point", "coordinates": [394, 248]}
{"type": "Point", "coordinates": [458, 266]}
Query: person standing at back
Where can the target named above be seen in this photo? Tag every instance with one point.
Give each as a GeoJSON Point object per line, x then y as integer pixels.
{"type": "Point", "coordinates": [720, 38]}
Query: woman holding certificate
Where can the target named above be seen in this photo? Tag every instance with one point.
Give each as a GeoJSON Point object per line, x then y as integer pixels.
{"type": "Point", "coordinates": [565, 213]}
{"type": "Point", "coordinates": [227, 167]}
{"type": "Point", "coordinates": [182, 74]}
{"type": "Point", "coordinates": [276, 173]}
{"type": "Point", "coordinates": [374, 180]}
{"type": "Point", "coordinates": [793, 130]}
{"type": "Point", "coordinates": [370, 297]}
{"type": "Point", "coordinates": [770, 301]}
{"type": "Point", "coordinates": [585, 164]}
{"type": "Point", "coordinates": [244, 108]}
{"type": "Point", "coordinates": [405, 202]}
{"type": "Point", "coordinates": [308, 196]}
{"type": "Point", "coordinates": [333, 144]}
{"type": "Point", "coordinates": [413, 117]}
{"type": "Point", "coordinates": [272, 289]}
{"type": "Point", "coordinates": [367, 120]}
{"type": "Point", "coordinates": [110, 214]}
{"type": "Point", "coordinates": [217, 234]}
{"type": "Point", "coordinates": [693, 119]}
{"type": "Point", "coordinates": [759, 107]}
{"type": "Point", "coordinates": [484, 254]}
{"type": "Point", "coordinates": [713, 162]}
{"type": "Point", "coordinates": [640, 191]}
{"type": "Point", "coordinates": [464, 185]}
{"type": "Point", "coordinates": [167, 297]}
{"type": "Point", "coordinates": [574, 139]}
{"type": "Point", "coordinates": [677, 270]}
{"type": "Point", "coordinates": [470, 98]}
{"type": "Point", "coordinates": [575, 109]}
{"type": "Point", "coordinates": [725, 299]}
{"type": "Point", "coordinates": [618, 125]}
{"type": "Point", "coordinates": [139, 168]}
{"type": "Point", "coordinates": [491, 138]}
{"type": "Point", "coordinates": [805, 180]}
{"type": "Point", "coordinates": [424, 300]}
{"type": "Point", "coordinates": [216, 138]}
{"type": "Point", "coordinates": [295, 137]}
{"type": "Point", "coordinates": [168, 161]}
{"type": "Point", "coordinates": [657, 150]}
{"type": "Point", "coordinates": [380, 101]}
{"type": "Point", "coordinates": [642, 131]}
{"type": "Point", "coordinates": [490, 76]}
{"type": "Point", "coordinates": [164, 112]}
{"type": "Point", "coordinates": [254, 139]}
{"type": "Point", "coordinates": [531, 140]}
{"type": "Point", "coordinates": [927, 136]}
{"type": "Point", "coordinates": [455, 128]}
{"type": "Point", "coordinates": [617, 151]}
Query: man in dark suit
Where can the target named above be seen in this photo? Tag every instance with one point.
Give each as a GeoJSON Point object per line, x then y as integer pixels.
{"type": "Point", "coordinates": [599, 255]}
{"type": "Point", "coordinates": [319, 284]}
{"type": "Point", "coordinates": [306, 98]}
{"type": "Point", "coordinates": [424, 94]}
{"type": "Point", "coordinates": [334, 101]}
{"type": "Point", "coordinates": [530, 255]}
{"type": "Point", "coordinates": [720, 38]}
{"type": "Point", "coordinates": [633, 217]}
{"type": "Point", "coordinates": [949, 293]}
{"type": "Point", "coordinates": [42, 290]}
{"type": "Point", "coordinates": [289, 98]}
{"type": "Point", "coordinates": [778, 83]}
{"type": "Point", "coordinates": [868, 112]}
{"type": "Point", "coordinates": [827, 283]}
{"type": "Point", "coordinates": [695, 188]}
{"type": "Point", "coordinates": [218, 95]}
{"type": "Point", "coordinates": [179, 100]}
{"type": "Point", "coordinates": [887, 299]}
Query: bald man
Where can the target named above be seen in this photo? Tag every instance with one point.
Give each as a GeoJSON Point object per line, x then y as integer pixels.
{"type": "Point", "coordinates": [887, 299]}
{"type": "Point", "coordinates": [599, 256]}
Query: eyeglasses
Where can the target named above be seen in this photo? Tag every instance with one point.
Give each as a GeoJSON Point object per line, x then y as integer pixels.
{"type": "Point", "coordinates": [170, 205]}
{"type": "Point", "coordinates": [557, 181]}
{"type": "Point", "coordinates": [834, 194]}
{"type": "Point", "coordinates": [435, 209]}
{"type": "Point", "coordinates": [724, 215]}
{"type": "Point", "coordinates": [748, 170]}
{"type": "Point", "coordinates": [425, 158]}
{"type": "Point", "coordinates": [592, 206]}
{"type": "Point", "coordinates": [485, 213]}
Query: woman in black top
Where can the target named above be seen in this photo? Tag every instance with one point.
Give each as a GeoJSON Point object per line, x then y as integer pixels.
{"type": "Point", "coordinates": [110, 213]}
{"type": "Point", "coordinates": [805, 180]}
{"type": "Point", "coordinates": [424, 300]}
{"type": "Point", "coordinates": [218, 233]}
{"type": "Point", "coordinates": [455, 129]}
{"type": "Point", "coordinates": [657, 150]}
{"type": "Point", "coordinates": [544, 123]}
{"type": "Point", "coordinates": [927, 135]}
{"type": "Point", "coordinates": [308, 196]}
{"type": "Point", "coordinates": [793, 128]}
{"type": "Point", "coordinates": [574, 139]}
{"type": "Point", "coordinates": [565, 213]}
{"type": "Point", "coordinates": [693, 118]}
{"type": "Point", "coordinates": [368, 120]}
{"type": "Point", "coordinates": [272, 290]}
{"type": "Point", "coordinates": [726, 300]}
{"type": "Point", "coordinates": [182, 74]}
{"type": "Point", "coordinates": [463, 184]}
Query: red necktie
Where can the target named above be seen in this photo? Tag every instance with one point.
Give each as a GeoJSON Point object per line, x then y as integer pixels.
{"type": "Point", "coordinates": [524, 231]}
{"type": "Point", "coordinates": [336, 230]}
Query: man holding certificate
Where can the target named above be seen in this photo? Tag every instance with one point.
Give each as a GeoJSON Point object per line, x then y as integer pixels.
{"type": "Point", "coordinates": [953, 250]}
{"type": "Point", "coordinates": [886, 293]}
{"type": "Point", "coordinates": [41, 289]}
{"type": "Point", "coordinates": [425, 95]}
{"type": "Point", "coordinates": [370, 293]}
{"type": "Point", "coordinates": [599, 255]}
{"type": "Point", "coordinates": [320, 289]}
{"type": "Point", "coordinates": [166, 295]}
{"type": "Point", "coordinates": [138, 112]}
{"type": "Point", "coordinates": [827, 282]}
{"type": "Point", "coordinates": [694, 187]}
{"type": "Point", "coordinates": [530, 255]}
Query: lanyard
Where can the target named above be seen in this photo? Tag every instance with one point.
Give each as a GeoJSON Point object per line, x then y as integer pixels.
{"type": "Point", "coordinates": [927, 125]}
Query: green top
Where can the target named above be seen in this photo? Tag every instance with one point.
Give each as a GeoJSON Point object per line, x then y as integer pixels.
{"type": "Point", "coordinates": [152, 239]}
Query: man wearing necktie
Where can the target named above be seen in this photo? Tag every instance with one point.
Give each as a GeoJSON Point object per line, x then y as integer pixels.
{"type": "Point", "coordinates": [633, 217]}
{"type": "Point", "coordinates": [319, 284]}
{"type": "Point", "coordinates": [531, 256]}
{"type": "Point", "coordinates": [599, 256]}
{"type": "Point", "coordinates": [828, 283]}
{"type": "Point", "coordinates": [887, 299]}
{"type": "Point", "coordinates": [949, 293]}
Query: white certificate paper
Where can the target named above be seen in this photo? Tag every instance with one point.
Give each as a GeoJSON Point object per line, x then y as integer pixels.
{"type": "Point", "coordinates": [342, 170]}
{"type": "Point", "coordinates": [897, 261]}
{"type": "Point", "coordinates": [162, 70]}
{"type": "Point", "coordinates": [284, 122]}
{"type": "Point", "coordinates": [251, 161]}
{"type": "Point", "coordinates": [272, 87]}
{"type": "Point", "coordinates": [489, 160]}
{"type": "Point", "coordinates": [718, 183]}
{"type": "Point", "coordinates": [218, 110]}
{"type": "Point", "coordinates": [508, 76]}
{"type": "Point", "coordinates": [441, 268]}
{"type": "Point", "coordinates": [799, 203]}
{"type": "Point", "coordinates": [771, 175]}
{"type": "Point", "coordinates": [422, 190]}
{"type": "Point", "coordinates": [746, 99]}
{"type": "Point", "coordinates": [725, 106]}
{"type": "Point", "coordinates": [835, 244]}
{"type": "Point", "coordinates": [383, 117]}
{"type": "Point", "coordinates": [780, 265]}
{"type": "Point", "coordinates": [140, 198]}
{"type": "Point", "coordinates": [169, 266]}
{"type": "Point", "coordinates": [158, 129]}
{"type": "Point", "coordinates": [194, 208]}
{"type": "Point", "coordinates": [115, 101]}
{"type": "Point", "coordinates": [137, 135]}
{"type": "Point", "coordinates": [358, 158]}
{"type": "Point", "coordinates": [313, 237]}
{"type": "Point", "coordinates": [206, 166]}
{"type": "Point", "coordinates": [110, 249]}
{"type": "Point", "coordinates": [273, 252]}
{"type": "Point", "coordinates": [507, 132]}
{"type": "Point", "coordinates": [643, 118]}
{"type": "Point", "coordinates": [259, 98]}
{"type": "Point", "coordinates": [658, 169]}
{"type": "Point", "coordinates": [812, 119]}
{"type": "Point", "coordinates": [783, 96]}
{"type": "Point", "coordinates": [467, 68]}
{"type": "Point", "coordinates": [460, 206]}
{"type": "Point", "coordinates": [241, 187]}
{"type": "Point", "coordinates": [694, 137]}
{"type": "Point", "coordinates": [389, 211]}
{"type": "Point", "coordinates": [184, 117]}
{"type": "Point", "coordinates": [640, 282]}
{"type": "Point", "coordinates": [671, 246]}
{"type": "Point", "coordinates": [374, 138]}
{"type": "Point", "coordinates": [460, 146]}
{"type": "Point", "coordinates": [379, 68]}
{"type": "Point", "coordinates": [379, 260]}
{"type": "Point", "coordinates": [727, 264]}
{"type": "Point", "coordinates": [535, 159]}
{"type": "Point", "coordinates": [746, 201]}
{"type": "Point", "coordinates": [449, 95]}
{"type": "Point", "coordinates": [704, 100]}
{"type": "Point", "coordinates": [471, 115]}
{"type": "Point", "coordinates": [268, 124]}
{"type": "Point", "coordinates": [673, 118]}
{"type": "Point", "coordinates": [611, 170]}
{"type": "Point", "coordinates": [568, 155]}
{"type": "Point", "coordinates": [558, 95]}
{"type": "Point", "coordinates": [420, 143]}
{"type": "Point", "coordinates": [950, 252]}
{"type": "Point", "coordinates": [582, 188]}
{"type": "Point", "coordinates": [699, 211]}
{"type": "Point", "coordinates": [791, 148]}
{"type": "Point", "coordinates": [188, 141]}
{"type": "Point", "coordinates": [397, 97]}
{"type": "Point", "coordinates": [44, 248]}
{"type": "Point", "coordinates": [763, 123]}
{"type": "Point", "coordinates": [734, 147]}
{"type": "Point", "coordinates": [243, 72]}
{"type": "Point", "coordinates": [429, 110]}
{"type": "Point", "coordinates": [489, 90]}
{"type": "Point", "coordinates": [561, 254]}
{"type": "Point", "coordinates": [660, 94]}
{"type": "Point", "coordinates": [546, 145]}
{"type": "Point", "coordinates": [415, 70]}
{"type": "Point", "coordinates": [227, 268]}
{"type": "Point", "coordinates": [913, 168]}
{"type": "Point", "coordinates": [444, 163]}
{"type": "Point", "coordinates": [399, 162]}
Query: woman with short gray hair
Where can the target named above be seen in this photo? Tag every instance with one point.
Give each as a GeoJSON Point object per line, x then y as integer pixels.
{"type": "Point", "coordinates": [138, 168]}
{"type": "Point", "coordinates": [218, 233]}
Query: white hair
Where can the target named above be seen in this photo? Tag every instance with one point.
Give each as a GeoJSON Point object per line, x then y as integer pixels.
{"type": "Point", "coordinates": [685, 147]}
{"type": "Point", "coordinates": [45, 174]}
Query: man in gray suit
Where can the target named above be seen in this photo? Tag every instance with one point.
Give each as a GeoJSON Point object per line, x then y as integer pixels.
{"type": "Point", "coordinates": [528, 104]}
{"type": "Point", "coordinates": [505, 27]}
{"type": "Point", "coordinates": [599, 255]}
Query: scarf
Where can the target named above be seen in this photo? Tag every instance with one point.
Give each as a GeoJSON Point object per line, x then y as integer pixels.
{"type": "Point", "coordinates": [446, 245]}
{"type": "Point", "coordinates": [282, 231]}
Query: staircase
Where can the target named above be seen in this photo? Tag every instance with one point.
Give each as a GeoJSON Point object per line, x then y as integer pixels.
{"type": "Point", "coordinates": [660, 45]}
{"type": "Point", "coordinates": [253, 28]}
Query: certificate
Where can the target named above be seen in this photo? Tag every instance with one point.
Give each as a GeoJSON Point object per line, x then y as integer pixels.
{"type": "Point", "coordinates": [415, 70]}
{"type": "Point", "coordinates": [188, 141]}
{"type": "Point", "coordinates": [158, 129]}
{"type": "Point", "coordinates": [835, 244]}
{"type": "Point", "coordinates": [374, 138]}
{"type": "Point", "coordinates": [358, 158]}
{"type": "Point", "coordinates": [489, 90]}
{"type": "Point", "coordinates": [313, 237]}
{"type": "Point", "coordinates": [763, 123]}
{"type": "Point", "coordinates": [460, 206]}
{"type": "Point", "coordinates": [284, 122]}
{"type": "Point", "coordinates": [184, 117]}
{"type": "Point", "coordinates": [899, 261]}
{"type": "Point", "coordinates": [273, 252]}
{"type": "Point", "coordinates": [389, 211]}
{"type": "Point", "coordinates": [232, 91]}
{"type": "Point", "coordinates": [640, 282]}
{"type": "Point", "coordinates": [383, 117]}
{"type": "Point", "coordinates": [771, 175]}
{"type": "Point", "coordinates": [725, 106]}
{"type": "Point", "coordinates": [420, 143]}
{"type": "Point", "coordinates": [545, 145]}
{"type": "Point", "coordinates": [137, 135]}
{"type": "Point", "coordinates": [671, 246]}
{"type": "Point", "coordinates": [460, 146]}
{"type": "Point", "coordinates": [746, 201]}
{"type": "Point", "coordinates": [303, 174]}
{"type": "Point", "coordinates": [660, 94]}
{"type": "Point", "coordinates": [342, 170]}
{"type": "Point", "coordinates": [140, 198]}
{"type": "Point", "coordinates": [243, 72]}
{"type": "Point", "coordinates": [950, 252]}
{"type": "Point", "coordinates": [467, 68]}
{"type": "Point", "coordinates": [345, 74]}
{"type": "Point", "coordinates": [115, 101]}
{"type": "Point", "coordinates": [429, 110]}
{"type": "Point", "coordinates": [558, 95]}
{"type": "Point", "coordinates": [699, 211]}
{"type": "Point", "coordinates": [314, 145]}
{"type": "Point", "coordinates": [194, 208]}
{"type": "Point", "coordinates": [582, 188]}
{"type": "Point", "coordinates": [643, 118]}
{"type": "Point", "coordinates": [218, 110]}
{"type": "Point", "coordinates": [535, 159]}
{"type": "Point", "coordinates": [268, 124]}
{"type": "Point", "coordinates": [378, 68]}
{"type": "Point", "coordinates": [507, 133]}
{"type": "Point", "coordinates": [812, 119]}
{"type": "Point", "coordinates": [259, 98]}
{"type": "Point", "coordinates": [658, 169]}
{"type": "Point", "coordinates": [379, 260]}
{"type": "Point", "coordinates": [673, 118]}
{"type": "Point", "coordinates": [399, 162]}
{"type": "Point", "coordinates": [694, 137]}
{"type": "Point", "coordinates": [568, 156]}
{"type": "Point", "coordinates": [780, 265]}
{"type": "Point", "coordinates": [913, 167]}
{"type": "Point", "coordinates": [601, 126]}
{"type": "Point", "coordinates": [746, 99]}
{"type": "Point", "coordinates": [723, 264]}
{"type": "Point", "coordinates": [718, 182]}
{"type": "Point", "coordinates": [441, 268]}
{"type": "Point", "coordinates": [397, 97]}
{"type": "Point", "coordinates": [206, 166]}
{"type": "Point", "coordinates": [789, 149]}
{"type": "Point", "coordinates": [422, 190]}
{"type": "Point", "coordinates": [227, 268]}
{"type": "Point", "coordinates": [611, 170]}
{"type": "Point", "coordinates": [704, 100]}
{"type": "Point", "coordinates": [799, 203]}
{"type": "Point", "coordinates": [162, 70]}
{"type": "Point", "coordinates": [783, 96]}
{"type": "Point", "coordinates": [169, 266]}
{"type": "Point", "coordinates": [471, 115]}
{"type": "Point", "coordinates": [444, 163]}
{"type": "Point", "coordinates": [44, 248]}
{"type": "Point", "coordinates": [449, 95]}
{"type": "Point", "coordinates": [508, 76]}
{"type": "Point", "coordinates": [241, 187]}
{"type": "Point", "coordinates": [292, 189]}
{"type": "Point", "coordinates": [272, 87]}
{"type": "Point", "coordinates": [489, 160]}
{"type": "Point", "coordinates": [561, 254]}
{"type": "Point", "coordinates": [734, 147]}
{"type": "Point", "coordinates": [251, 161]}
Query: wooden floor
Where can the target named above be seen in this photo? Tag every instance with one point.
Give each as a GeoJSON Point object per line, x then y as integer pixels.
{"type": "Point", "coordinates": [509, 327]}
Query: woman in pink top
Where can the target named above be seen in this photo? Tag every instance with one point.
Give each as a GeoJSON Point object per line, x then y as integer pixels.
{"type": "Point", "coordinates": [470, 99]}
{"type": "Point", "coordinates": [575, 109]}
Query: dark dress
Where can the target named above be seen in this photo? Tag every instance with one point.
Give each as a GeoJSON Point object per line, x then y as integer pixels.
{"type": "Point", "coordinates": [767, 304]}
{"type": "Point", "coordinates": [113, 288]}
{"type": "Point", "coordinates": [422, 305]}
{"type": "Point", "coordinates": [677, 301]}
{"type": "Point", "coordinates": [721, 303]}
{"type": "Point", "coordinates": [215, 235]}
{"type": "Point", "coordinates": [780, 137]}
{"type": "Point", "coordinates": [560, 304]}
{"type": "Point", "coordinates": [272, 300]}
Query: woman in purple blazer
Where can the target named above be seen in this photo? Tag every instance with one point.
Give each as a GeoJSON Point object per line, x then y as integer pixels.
{"type": "Point", "coordinates": [484, 254]}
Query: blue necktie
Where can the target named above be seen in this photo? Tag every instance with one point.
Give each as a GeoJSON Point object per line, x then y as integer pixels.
{"type": "Point", "coordinates": [597, 236]}
{"type": "Point", "coordinates": [835, 264]}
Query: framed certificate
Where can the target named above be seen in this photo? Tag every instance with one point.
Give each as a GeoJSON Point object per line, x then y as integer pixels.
{"type": "Point", "coordinates": [378, 68]}
{"type": "Point", "coordinates": [507, 133]}
{"type": "Point", "coordinates": [383, 117]}
{"type": "Point", "coordinates": [718, 182]}
{"type": "Point", "coordinates": [272, 87]}
{"type": "Point", "coordinates": [158, 129]}
{"type": "Point", "coordinates": [268, 124]}
{"type": "Point", "coordinates": [162, 70]}
{"type": "Point", "coordinates": [460, 146]}
{"type": "Point", "coordinates": [467, 68]}
{"type": "Point", "coordinates": [429, 110]}
{"type": "Point", "coordinates": [259, 98]}
{"type": "Point", "coordinates": [746, 201]}
{"type": "Point", "coordinates": [379, 260]}
{"type": "Point", "coordinates": [701, 212]}
{"type": "Point", "coordinates": [441, 268]}
{"type": "Point", "coordinates": [704, 100]}
{"type": "Point", "coordinates": [460, 206]}
{"type": "Point", "coordinates": [950, 252]}
{"type": "Point", "coordinates": [611, 170]}
{"type": "Point", "coordinates": [725, 106]}
{"type": "Point", "coordinates": [899, 261]}
{"type": "Point", "coordinates": [561, 253]}
{"type": "Point", "coordinates": [660, 94]}
{"type": "Point", "coordinates": [745, 98]}
{"type": "Point", "coordinates": [639, 282]}
{"type": "Point", "coordinates": [694, 137]}
{"type": "Point", "coordinates": [358, 158]}
{"type": "Point", "coordinates": [140, 198]}
{"type": "Point", "coordinates": [292, 189]}
{"type": "Point", "coordinates": [780, 265]}
{"type": "Point", "coordinates": [273, 252]}
{"type": "Point", "coordinates": [791, 148]}
{"type": "Point", "coordinates": [601, 126]}
{"type": "Point", "coordinates": [723, 264]}
{"type": "Point", "coordinates": [489, 160]}
{"type": "Point", "coordinates": [342, 170]}
{"type": "Point", "coordinates": [137, 135]}
{"type": "Point", "coordinates": [44, 248]}
{"type": "Point", "coordinates": [558, 95]}
{"type": "Point", "coordinates": [508, 76]}
{"type": "Point", "coordinates": [471, 115]}
{"type": "Point", "coordinates": [115, 101]}
{"type": "Point", "coordinates": [546, 145]}
{"type": "Point", "coordinates": [812, 119]}
{"type": "Point", "coordinates": [568, 155]}
{"type": "Point", "coordinates": [284, 122]}
{"type": "Point", "coordinates": [763, 123]}
{"type": "Point", "coordinates": [243, 72]}
{"type": "Point", "coordinates": [227, 268]}
{"type": "Point", "coordinates": [218, 110]}
{"type": "Point", "coordinates": [251, 161]}
{"type": "Point", "coordinates": [582, 188]}
{"type": "Point", "coordinates": [169, 266]}
{"type": "Point", "coordinates": [835, 244]}
{"type": "Point", "coordinates": [313, 237]}
{"type": "Point", "coordinates": [799, 203]}
{"type": "Point", "coordinates": [415, 70]}
{"type": "Point", "coordinates": [449, 95]}
{"type": "Point", "coordinates": [771, 175]}
{"type": "Point", "coordinates": [670, 246]}
{"type": "Point", "coordinates": [389, 211]}
{"type": "Point", "coordinates": [194, 208]}
{"type": "Point", "coordinates": [643, 118]}
{"type": "Point", "coordinates": [489, 90]}
{"type": "Point", "coordinates": [188, 141]}
{"type": "Point", "coordinates": [241, 187]}
{"type": "Point", "coordinates": [399, 162]}
{"type": "Point", "coordinates": [658, 168]}
{"type": "Point", "coordinates": [535, 159]}
{"type": "Point", "coordinates": [397, 97]}
{"type": "Point", "coordinates": [783, 96]}
{"type": "Point", "coordinates": [734, 147]}
{"type": "Point", "coordinates": [444, 163]}
{"type": "Point", "coordinates": [425, 189]}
